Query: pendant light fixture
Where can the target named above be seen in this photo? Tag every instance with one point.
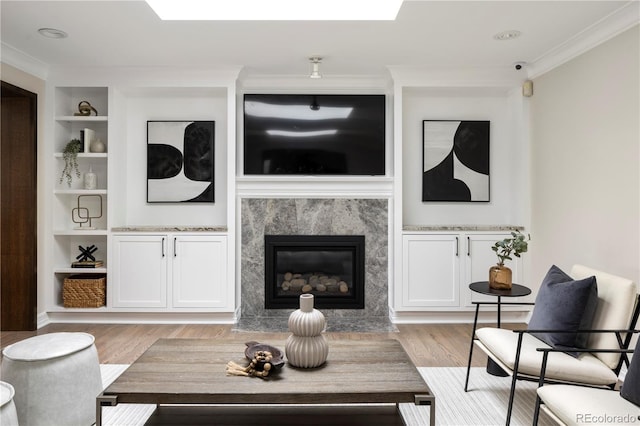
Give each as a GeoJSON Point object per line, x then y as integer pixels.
{"type": "Point", "coordinates": [315, 67]}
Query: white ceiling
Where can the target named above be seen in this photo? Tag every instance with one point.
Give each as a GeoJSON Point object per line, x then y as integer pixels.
{"type": "Point", "coordinates": [443, 34]}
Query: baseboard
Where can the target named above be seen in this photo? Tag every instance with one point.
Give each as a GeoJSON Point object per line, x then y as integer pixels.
{"type": "Point", "coordinates": [42, 320]}
{"type": "Point", "coordinates": [142, 318]}
{"type": "Point", "coordinates": [442, 317]}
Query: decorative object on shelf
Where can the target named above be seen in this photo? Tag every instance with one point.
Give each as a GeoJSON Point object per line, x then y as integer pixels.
{"type": "Point", "coordinates": [87, 136]}
{"type": "Point", "coordinates": [70, 155]}
{"type": "Point", "coordinates": [84, 291]}
{"type": "Point", "coordinates": [306, 347]}
{"type": "Point", "coordinates": [82, 215]}
{"type": "Point", "coordinates": [88, 264]}
{"type": "Point", "coordinates": [500, 276]}
{"type": "Point", "coordinates": [85, 109]}
{"type": "Point", "coordinates": [264, 360]}
{"type": "Point", "coordinates": [455, 160]}
{"type": "Point", "coordinates": [90, 179]}
{"type": "Point", "coordinates": [180, 161]}
{"type": "Point", "coordinates": [97, 146]}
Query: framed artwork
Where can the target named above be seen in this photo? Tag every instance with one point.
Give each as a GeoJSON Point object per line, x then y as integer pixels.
{"type": "Point", "coordinates": [180, 161]}
{"type": "Point", "coordinates": [455, 160]}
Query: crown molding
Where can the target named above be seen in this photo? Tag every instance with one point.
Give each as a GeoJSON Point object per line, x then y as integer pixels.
{"type": "Point", "coordinates": [605, 29]}
{"type": "Point", "coordinates": [20, 60]}
{"type": "Point", "coordinates": [447, 77]}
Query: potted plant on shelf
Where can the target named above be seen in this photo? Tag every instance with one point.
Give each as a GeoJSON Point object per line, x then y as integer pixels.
{"type": "Point", "coordinates": [499, 275]}
{"type": "Point", "coordinates": [70, 155]}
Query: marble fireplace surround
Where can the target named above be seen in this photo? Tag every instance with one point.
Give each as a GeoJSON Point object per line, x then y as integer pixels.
{"type": "Point", "coordinates": [315, 216]}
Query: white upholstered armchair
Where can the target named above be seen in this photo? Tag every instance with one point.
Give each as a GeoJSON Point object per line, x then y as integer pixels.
{"type": "Point", "coordinates": [614, 312]}
{"type": "Point", "coordinates": [572, 405]}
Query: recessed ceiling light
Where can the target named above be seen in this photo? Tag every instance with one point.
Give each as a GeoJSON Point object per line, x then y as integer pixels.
{"type": "Point", "coordinates": [52, 33]}
{"type": "Point", "coordinates": [507, 35]}
{"type": "Point", "coordinates": [279, 10]}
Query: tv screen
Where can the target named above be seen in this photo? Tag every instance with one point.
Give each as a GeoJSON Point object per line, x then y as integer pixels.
{"type": "Point", "coordinates": [314, 134]}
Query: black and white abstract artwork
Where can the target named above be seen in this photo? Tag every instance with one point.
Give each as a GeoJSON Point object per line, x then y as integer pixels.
{"type": "Point", "coordinates": [455, 160]}
{"type": "Point", "coordinates": [180, 161]}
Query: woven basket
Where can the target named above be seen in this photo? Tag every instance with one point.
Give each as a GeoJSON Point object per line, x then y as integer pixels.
{"type": "Point", "coordinates": [84, 291]}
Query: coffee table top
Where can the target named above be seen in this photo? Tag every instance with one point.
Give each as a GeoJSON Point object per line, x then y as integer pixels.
{"type": "Point", "coordinates": [174, 371]}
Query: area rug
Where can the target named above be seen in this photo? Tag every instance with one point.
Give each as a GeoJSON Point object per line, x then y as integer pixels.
{"type": "Point", "coordinates": [485, 404]}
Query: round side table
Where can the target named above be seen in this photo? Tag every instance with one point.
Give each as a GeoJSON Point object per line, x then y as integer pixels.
{"type": "Point", "coordinates": [516, 290]}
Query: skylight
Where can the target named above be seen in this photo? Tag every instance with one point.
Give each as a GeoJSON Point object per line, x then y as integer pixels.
{"type": "Point", "coordinates": [278, 10]}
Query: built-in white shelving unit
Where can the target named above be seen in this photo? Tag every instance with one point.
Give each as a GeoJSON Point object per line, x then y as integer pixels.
{"type": "Point", "coordinates": [71, 199]}
{"type": "Point", "coordinates": [124, 104]}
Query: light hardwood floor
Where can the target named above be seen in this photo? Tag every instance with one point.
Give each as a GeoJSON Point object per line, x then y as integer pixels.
{"type": "Point", "coordinates": [428, 345]}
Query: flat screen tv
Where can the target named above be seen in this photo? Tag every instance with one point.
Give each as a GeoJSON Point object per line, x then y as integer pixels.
{"type": "Point", "coordinates": [288, 134]}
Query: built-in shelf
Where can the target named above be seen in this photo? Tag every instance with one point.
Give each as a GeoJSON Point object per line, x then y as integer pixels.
{"type": "Point", "coordinates": [60, 308]}
{"type": "Point", "coordinates": [69, 270]}
{"type": "Point", "coordinates": [84, 155]}
{"type": "Point", "coordinates": [82, 118]}
{"type": "Point", "coordinates": [73, 232]}
{"type": "Point", "coordinates": [80, 191]}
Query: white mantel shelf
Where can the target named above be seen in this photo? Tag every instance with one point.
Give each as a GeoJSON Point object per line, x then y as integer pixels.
{"type": "Point", "coordinates": [462, 228]}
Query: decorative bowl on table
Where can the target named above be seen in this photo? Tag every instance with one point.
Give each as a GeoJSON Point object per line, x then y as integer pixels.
{"type": "Point", "coordinates": [277, 360]}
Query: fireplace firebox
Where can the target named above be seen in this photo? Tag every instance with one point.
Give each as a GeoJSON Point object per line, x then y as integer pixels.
{"type": "Point", "coordinates": [331, 267]}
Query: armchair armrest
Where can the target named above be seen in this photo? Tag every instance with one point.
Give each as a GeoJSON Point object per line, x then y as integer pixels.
{"type": "Point", "coordinates": [578, 331]}
{"type": "Point", "coordinates": [623, 349]}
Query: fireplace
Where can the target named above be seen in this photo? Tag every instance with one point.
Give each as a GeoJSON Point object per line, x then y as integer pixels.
{"type": "Point", "coordinates": [331, 267]}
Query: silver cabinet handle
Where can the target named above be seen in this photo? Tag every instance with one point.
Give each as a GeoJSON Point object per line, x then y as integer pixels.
{"type": "Point", "coordinates": [175, 251]}
{"type": "Point", "coordinates": [162, 246]}
{"type": "Point", "coordinates": [468, 246]}
{"type": "Point", "coordinates": [457, 246]}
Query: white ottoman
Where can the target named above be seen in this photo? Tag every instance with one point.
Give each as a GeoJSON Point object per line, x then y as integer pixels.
{"type": "Point", "coordinates": [56, 378]}
{"type": "Point", "coordinates": [8, 414]}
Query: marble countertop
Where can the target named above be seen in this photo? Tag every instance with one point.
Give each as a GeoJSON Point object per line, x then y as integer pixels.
{"type": "Point", "coordinates": [483, 228]}
{"type": "Point", "coordinates": [176, 228]}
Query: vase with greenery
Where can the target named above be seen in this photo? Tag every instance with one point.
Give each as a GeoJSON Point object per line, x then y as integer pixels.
{"type": "Point", "coordinates": [500, 276]}
{"type": "Point", "coordinates": [70, 155]}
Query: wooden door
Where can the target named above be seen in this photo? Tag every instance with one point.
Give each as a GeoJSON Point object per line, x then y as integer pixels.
{"type": "Point", "coordinates": [18, 214]}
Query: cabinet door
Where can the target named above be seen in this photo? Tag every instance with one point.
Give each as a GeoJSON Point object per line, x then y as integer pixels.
{"type": "Point", "coordinates": [430, 271]}
{"type": "Point", "coordinates": [140, 271]}
{"type": "Point", "coordinates": [199, 271]}
{"type": "Point", "coordinates": [479, 258]}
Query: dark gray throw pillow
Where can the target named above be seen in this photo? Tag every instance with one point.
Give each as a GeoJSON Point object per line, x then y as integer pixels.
{"type": "Point", "coordinates": [631, 386]}
{"type": "Point", "coordinates": [564, 304]}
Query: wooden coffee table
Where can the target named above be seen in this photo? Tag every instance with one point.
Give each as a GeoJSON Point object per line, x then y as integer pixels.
{"type": "Point", "coordinates": [192, 371]}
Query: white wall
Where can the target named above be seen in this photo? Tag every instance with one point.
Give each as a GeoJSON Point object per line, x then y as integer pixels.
{"type": "Point", "coordinates": [506, 161]}
{"type": "Point", "coordinates": [143, 104]}
{"type": "Point", "coordinates": [585, 139]}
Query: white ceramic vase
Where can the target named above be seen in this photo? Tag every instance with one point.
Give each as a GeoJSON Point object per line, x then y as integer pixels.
{"type": "Point", "coordinates": [306, 347]}
{"type": "Point", "coordinates": [90, 179]}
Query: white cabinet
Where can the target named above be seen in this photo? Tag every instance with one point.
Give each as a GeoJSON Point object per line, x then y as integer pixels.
{"type": "Point", "coordinates": [431, 266]}
{"type": "Point", "coordinates": [139, 271]}
{"type": "Point", "coordinates": [437, 269]}
{"type": "Point", "coordinates": [169, 271]}
{"type": "Point", "coordinates": [199, 272]}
